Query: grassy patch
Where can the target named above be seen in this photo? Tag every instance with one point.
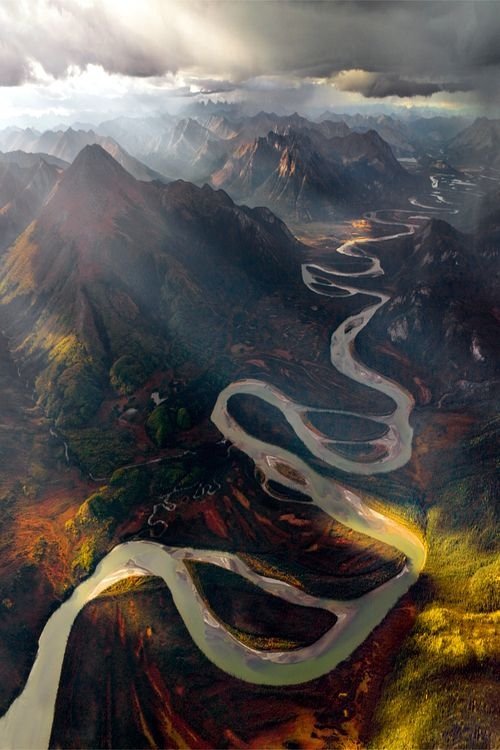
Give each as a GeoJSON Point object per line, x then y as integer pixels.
{"type": "Point", "coordinates": [442, 691]}
{"type": "Point", "coordinates": [100, 451]}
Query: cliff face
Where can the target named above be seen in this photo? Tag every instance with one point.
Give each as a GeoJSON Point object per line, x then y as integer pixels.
{"type": "Point", "coordinates": [315, 173]}
{"type": "Point", "coordinates": [443, 319]}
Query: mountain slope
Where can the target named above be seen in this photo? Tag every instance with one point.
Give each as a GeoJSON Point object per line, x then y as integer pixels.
{"type": "Point", "coordinates": [443, 321]}
{"type": "Point", "coordinates": [67, 144]}
{"type": "Point", "coordinates": [25, 186]}
{"type": "Point", "coordinates": [115, 267]}
{"type": "Point", "coordinates": [186, 149]}
{"type": "Point", "coordinates": [306, 174]}
{"type": "Point", "coordinates": [477, 145]}
{"type": "Point", "coordinates": [29, 159]}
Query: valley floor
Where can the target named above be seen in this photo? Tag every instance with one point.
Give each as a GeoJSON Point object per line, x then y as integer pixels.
{"type": "Point", "coordinates": [424, 678]}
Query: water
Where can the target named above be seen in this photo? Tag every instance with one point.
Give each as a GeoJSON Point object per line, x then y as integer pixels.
{"type": "Point", "coordinates": [28, 722]}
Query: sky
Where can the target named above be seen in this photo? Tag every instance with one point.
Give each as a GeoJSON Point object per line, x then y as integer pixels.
{"type": "Point", "coordinates": [65, 60]}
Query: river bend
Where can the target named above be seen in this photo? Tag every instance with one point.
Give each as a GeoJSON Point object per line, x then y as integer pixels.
{"type": "Point", "coordinates": [28, 722]}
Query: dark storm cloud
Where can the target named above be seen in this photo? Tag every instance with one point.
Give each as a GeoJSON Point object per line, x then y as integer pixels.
{"type": "Point", "coordinates": [59, 34]}
{"type": "Point", "coordinates": [212, 85]}
{"type": "Point", "coordinates": [14, 68]}
{"type": "Point", "coordinates": [380, 85]}
{"type": "Point", "coordinates": [410, 47]}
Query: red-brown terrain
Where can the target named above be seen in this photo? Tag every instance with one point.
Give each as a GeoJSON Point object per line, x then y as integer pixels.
{"type": "Point", "coordinates": [120, 289]}
{"type": "Point", "coordinates": [174, 697]}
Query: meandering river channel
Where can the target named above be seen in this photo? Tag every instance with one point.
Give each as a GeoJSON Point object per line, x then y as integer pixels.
{"type": "Point", "coordinates": [28, 722]}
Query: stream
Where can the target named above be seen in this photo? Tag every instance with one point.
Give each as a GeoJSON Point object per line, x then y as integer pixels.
{"type": "Point", "coordinates": [28, 722]}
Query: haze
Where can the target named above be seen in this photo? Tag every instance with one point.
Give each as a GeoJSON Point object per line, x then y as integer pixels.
{"type": "Point", "coordinates": [90, 59]}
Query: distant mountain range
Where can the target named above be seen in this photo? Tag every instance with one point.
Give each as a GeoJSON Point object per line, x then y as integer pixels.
{"type": "Point", "coordinates": [308, 175]}
{"type": "Point", "coordinates": [407, 138]}
{"type": "Point", "coordinates": [303, 169]}
{"type": "Point", "coordinates": [65, 145]}
{"type": "Point", "coordinates": [477, 145]}
{"type": "Point", "coordinates": [26, 182]}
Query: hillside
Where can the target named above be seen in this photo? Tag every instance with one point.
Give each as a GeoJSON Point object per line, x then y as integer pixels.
{"type": "Point", "coordinates": [476, 145]}
{"type": "Point", "coordinates": [310, 176]}
{"type": "Point", "coordinates": [65, 145]}
{"type": "Point", "coordinates": [115, 267]}
{"type": "Point", "coordinates": [442, 323]}
{"type": "Point", "coordinates": [26, 183]}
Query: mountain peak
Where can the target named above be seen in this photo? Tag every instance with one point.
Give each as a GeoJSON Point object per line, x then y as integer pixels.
{"type": "Point", "coordinates": [92, 153]}
{"type": "Point", "coordinates": [96, 166]}
{"type": "Point", "coordinates": [93, 192]}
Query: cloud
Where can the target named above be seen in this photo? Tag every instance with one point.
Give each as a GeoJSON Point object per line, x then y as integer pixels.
{"type": "Point", "coordinates": [407, 49]}
{"type": "Point", "coordinates": [14, 67]}
{"type": "Point", "coordinates": [210, 86]}
{"type": "Point", "coordinates": [381, 85]}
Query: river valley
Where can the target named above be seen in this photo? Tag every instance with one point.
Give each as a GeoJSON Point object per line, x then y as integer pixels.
{"type": "Point", "coordinates": [356, 618]}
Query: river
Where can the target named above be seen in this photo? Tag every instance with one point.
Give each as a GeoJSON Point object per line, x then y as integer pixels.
{"type": "Point", "coordinates": [28, 722]}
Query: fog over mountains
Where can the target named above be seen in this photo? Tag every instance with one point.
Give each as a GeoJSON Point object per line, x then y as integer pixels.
{"type": "Point", "coordinates": [249, 325]}
{"type": "Point", "coordinates": [108, 221]}
{"type": "Point", "coordinates": [295, 165]}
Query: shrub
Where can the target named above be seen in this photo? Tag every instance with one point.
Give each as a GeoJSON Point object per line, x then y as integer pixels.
{"type": "Point", "coordinates": [127, 374]}
{"type": "Point", "coordinates": [86, 558]}
{"type": "Point", "coordinates": [484, 588]}
{"type": "Point", "coordinates": [183, 419]}
{"type": "Point", "coordinates": [160, 425]}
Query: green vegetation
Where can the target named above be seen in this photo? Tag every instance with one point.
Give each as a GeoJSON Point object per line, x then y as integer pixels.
{"type": "Point", "coordinates": [127, 374]}
{"type": "Point", "coordinates": [161, 425]}
{"type": "Point", "coordinates": [164, 421]}
{"type": "Point", "coordinates": [180, 474]}
{"type": "Point", "coordinates": [484, 588]}
{"type": "Point", "coordinates": [183, 419]}
{"type": "Point", "coordinates": [113, 502]}
{"type": "Point", "coordinates": [443, 694]}
{"type": "Point", "coordinates": [87, 557]}
{"type": "Point", "coordinates": [201, 393]}
{"type": "Point", "coordinates": [442, 691]}
{"type": "Point", "coordinates": [101, 514]}
{"type": "Point", "coordinates": [100, 451]}
{"type": "Point", "coordinates": [70, 395]}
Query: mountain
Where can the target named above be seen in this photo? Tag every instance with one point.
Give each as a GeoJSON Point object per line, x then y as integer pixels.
{"type": "Point", "coordinates": [285, 172]}
{"type": "Point", "coordinates": [487, 217]}
{"type": "Point", "coordinates": [407, 138]}
{"type": "Point", "coordinates": [435, 132]}
{"type": "Point", "coordinates": [392, 130]}
{"type": "Point", "coordinates": [26, 183]}
{"type": "Point", "coordinates": [114, 267]}
{"type": "Point", "coordinates": [29, 159]}
{"type": "Point", "coordinates": [247, 129]}
{"type": "Point", "coordinates": [138, 135]}
{"type": "Point", "coordinates": [220, 126]}
{"type": "Point", "coordinates": [477, 145]}
{"type": "Point", "coordinates": [188, 150]}
{"type": "Point", "coordinates": [306, 174]}
{"type": "Point", "coordinates": [17, 139]}
{"type": "Point", "coordinates": [67, 144]}
{"type": "Point", "coordinates": [195, 148]}
{"type": "Point", "coordinates": [442, 324]}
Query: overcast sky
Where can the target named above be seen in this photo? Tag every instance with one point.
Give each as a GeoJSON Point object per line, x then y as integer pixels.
{"type": "Point", "coordinates": [94, 58]}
